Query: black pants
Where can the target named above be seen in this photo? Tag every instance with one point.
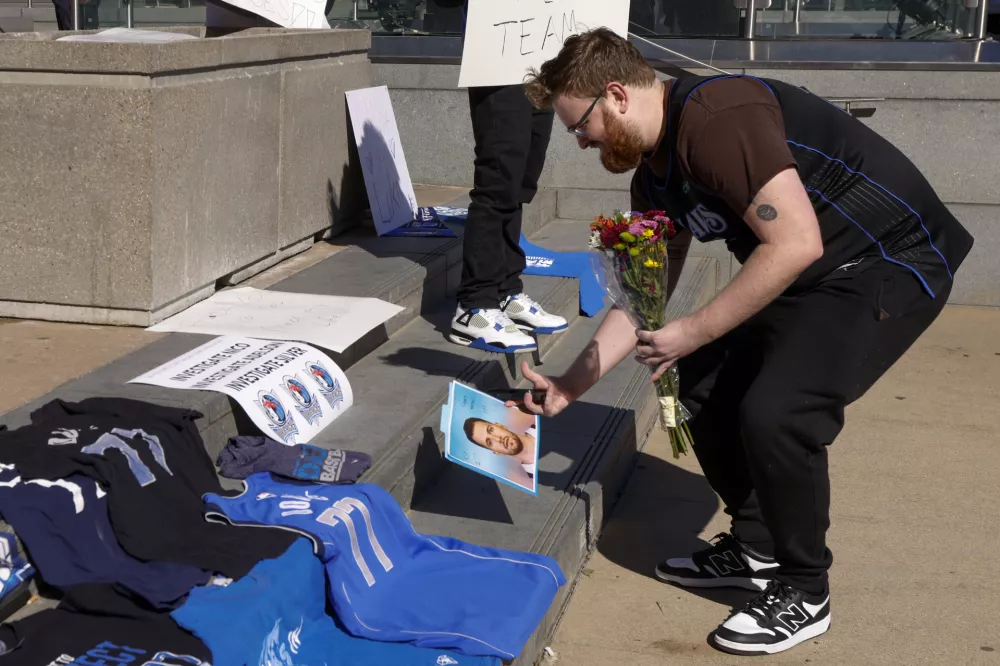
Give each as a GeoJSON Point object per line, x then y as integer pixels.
{"type": "Point", "coordinates": [768, 399]}
{"type": "Point", "coordinates": [511, 140]}
{"type": "Point", "coordinates": [64, 14]}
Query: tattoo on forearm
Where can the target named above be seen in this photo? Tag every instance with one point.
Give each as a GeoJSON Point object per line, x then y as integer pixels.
{"type": "Point", "coordinates": [767, 212]}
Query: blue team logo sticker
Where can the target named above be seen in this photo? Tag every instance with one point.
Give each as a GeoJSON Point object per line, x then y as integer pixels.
{"type": "Point", "coordinates": [305, 403]}
{"type": "Point", "coordinates": [280, 420]}
{"type": "Point", "coordinates": [329, 386]}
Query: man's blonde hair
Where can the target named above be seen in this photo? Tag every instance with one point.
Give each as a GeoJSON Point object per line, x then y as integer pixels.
{"type": "Point", "coordinates": [584, 67]}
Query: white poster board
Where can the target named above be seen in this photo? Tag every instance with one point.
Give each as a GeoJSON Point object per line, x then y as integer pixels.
{"type": "Point", "coordinates": [331, 322]}
{"type": "Point", "coordinates": [309, 14]}
{"type": "Point", "coordinates": [387, 180]}
{"type": "Point", "coordinates": [290, 390]}
{"type": "Point", "coordinates": [504, 39]}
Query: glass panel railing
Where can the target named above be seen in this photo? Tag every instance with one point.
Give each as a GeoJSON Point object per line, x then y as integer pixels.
{"type": "Point", "coordinates": [684, 18]}
{"type": "Point", "coordinates": [817, 19]}
{"type": "Point", "coordinates": [866, 19]}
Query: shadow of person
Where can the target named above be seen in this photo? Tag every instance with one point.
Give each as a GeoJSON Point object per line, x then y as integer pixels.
{"type": "Point", "coordinates": [660, 516]}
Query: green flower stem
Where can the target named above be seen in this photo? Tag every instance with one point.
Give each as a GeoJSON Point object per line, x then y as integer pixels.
{"type": "Point", "coordinates": [645, 289]}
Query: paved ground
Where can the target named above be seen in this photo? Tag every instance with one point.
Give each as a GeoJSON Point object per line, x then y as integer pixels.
{"type": "Point", "coordinates": [40, 356]}
{"type": "Point", "coordinates": [914, 534]}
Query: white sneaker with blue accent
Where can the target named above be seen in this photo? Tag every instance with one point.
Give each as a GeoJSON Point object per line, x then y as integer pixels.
{"type": "Point", "coordinates": [529, 315]}
{"type": "Point", "coordinates": [489, 330]}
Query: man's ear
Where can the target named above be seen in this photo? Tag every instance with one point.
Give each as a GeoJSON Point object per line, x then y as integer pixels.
{"type": "Point", "coordinates": [618, 97]}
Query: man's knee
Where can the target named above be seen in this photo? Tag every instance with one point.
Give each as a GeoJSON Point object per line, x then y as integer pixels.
{"type": "Point", "coordinates": [773, 419]}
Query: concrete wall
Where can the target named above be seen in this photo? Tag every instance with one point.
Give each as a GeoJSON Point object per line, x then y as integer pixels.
{"type": "Point", "coordinates": [173, 166]}
{"type": "Point", "coordinates": [948, 123]}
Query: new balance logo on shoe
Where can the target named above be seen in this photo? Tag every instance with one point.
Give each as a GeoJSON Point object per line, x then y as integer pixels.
{"type": "Point", "coordinates": [727, 562]}
{"type": "Point", "coordinates": [794, 617]}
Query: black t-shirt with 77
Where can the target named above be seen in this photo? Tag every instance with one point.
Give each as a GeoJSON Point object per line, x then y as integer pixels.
{"type": "Point", "coordinates": [153, 464]}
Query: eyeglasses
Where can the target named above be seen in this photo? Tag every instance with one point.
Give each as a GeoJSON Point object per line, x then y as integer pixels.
{"type": "Point", "coordinates": [574, 129]}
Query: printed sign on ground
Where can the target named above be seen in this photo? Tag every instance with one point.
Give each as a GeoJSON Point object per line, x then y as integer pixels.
{"type": "Point", "coordinates": [504, 40]}
{"type": "Point", "coordinates": [290, 390]}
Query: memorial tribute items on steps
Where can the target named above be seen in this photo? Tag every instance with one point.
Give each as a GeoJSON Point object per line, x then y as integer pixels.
{"type": "Point", "coordinates": [387, 582]}
{"type": "Point", "coordinates": [64, 524]}
{"type": "Point", "coordinates": [246, 455]}
{"type": "Point", "coordinates": [153, 464]}
{"type": "Point", "coordinates": [64, 638]}
{"type": "Point", "coordinates": [277, 615]}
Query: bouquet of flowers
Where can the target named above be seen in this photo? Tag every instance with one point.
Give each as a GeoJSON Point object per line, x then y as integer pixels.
{"type": "Point", "coordinates": [632, 267]}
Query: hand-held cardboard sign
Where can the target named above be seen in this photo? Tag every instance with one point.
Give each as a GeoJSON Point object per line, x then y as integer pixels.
{"type": "Point", "coordinates": [504, 39]}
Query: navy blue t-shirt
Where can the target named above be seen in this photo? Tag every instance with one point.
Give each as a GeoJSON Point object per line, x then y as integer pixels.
{"type": "Point", "coordinates": [65, 527]}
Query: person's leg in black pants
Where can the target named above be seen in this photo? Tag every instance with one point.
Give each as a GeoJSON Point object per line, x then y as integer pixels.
{"type": "Point", "coordinates": [514, 260]}
{"type": "Point", "coordinates": [502, 128]}
{"type": "Point", "coordinates": [511, 140]}
{"type": "Point", "coordinates": [768, 399]}
{"type": "Point", "coordinates": [64, 14]}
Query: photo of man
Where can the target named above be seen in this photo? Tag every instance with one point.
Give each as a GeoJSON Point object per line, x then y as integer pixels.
{"type": "Point", "coordinates": [503, 441]}
{"type": "Point", "coordinates": [492, 439]}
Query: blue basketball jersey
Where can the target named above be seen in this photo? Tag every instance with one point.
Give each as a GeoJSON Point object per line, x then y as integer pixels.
{"type": "Point", "coordinates": [276, 616]}
{"type": "Point", "coordinates": [388, 582]}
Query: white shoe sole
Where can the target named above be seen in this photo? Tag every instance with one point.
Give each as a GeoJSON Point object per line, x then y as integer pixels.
{"type": "Point", "coordinates": [754, 584]}
{"type": "Point", "coordinates": [466, 342]}
{"type": "Point", "coordinates": [815, 630]}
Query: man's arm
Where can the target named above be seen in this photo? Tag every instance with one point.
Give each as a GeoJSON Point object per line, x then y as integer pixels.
{"type": "Point", "coordinates": [783, 218]}
{"type": "Point", "coordinates": [613, 341]}
{"type": "Point", "coordinates": [790, 241]}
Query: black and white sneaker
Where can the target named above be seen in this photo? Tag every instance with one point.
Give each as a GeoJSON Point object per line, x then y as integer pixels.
{"type": "Point", "coordinates": [779, 618]}
{"type": "Point", "coordinates": [728, 563]}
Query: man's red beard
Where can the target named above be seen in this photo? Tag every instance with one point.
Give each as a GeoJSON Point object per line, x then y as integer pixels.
{"type": "Point", "coordinates": [622, 147]}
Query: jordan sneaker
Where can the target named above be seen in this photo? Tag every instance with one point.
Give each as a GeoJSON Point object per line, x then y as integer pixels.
{"type": "Point", "coordinates": [779, 618]}
{"type": "Point", "coordinates": [14, 569]}
{"type": "Point", "coordinates": [529, 315]}
{"type": "Point", "coordinates": [489, 330]}
{"type": "Point", "coordinates": [727, 563]}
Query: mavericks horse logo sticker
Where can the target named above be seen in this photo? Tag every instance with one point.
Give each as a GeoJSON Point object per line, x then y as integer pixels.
{"type": "Point", "coordinates": [329, 386]}
{"type": "Point", "coordinates": [305, 403]}
{"type": "Point", "coordinates": [278, 417]}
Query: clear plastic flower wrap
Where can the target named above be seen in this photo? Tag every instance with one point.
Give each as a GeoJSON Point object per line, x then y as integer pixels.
{"type": "Point", "coordinates": [631, 264]}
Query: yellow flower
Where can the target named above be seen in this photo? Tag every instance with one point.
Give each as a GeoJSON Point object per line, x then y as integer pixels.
{"type": "Point", "coordinates": [648, 233]}
{"type": "Point", "coordinates": [653, 264]}
{"type": "Point", "coordinates": [627, 237]}
{"type": "Point", "coordinates": [619, 246]}
{"type": "Point", "coordinates": [634, 252]}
